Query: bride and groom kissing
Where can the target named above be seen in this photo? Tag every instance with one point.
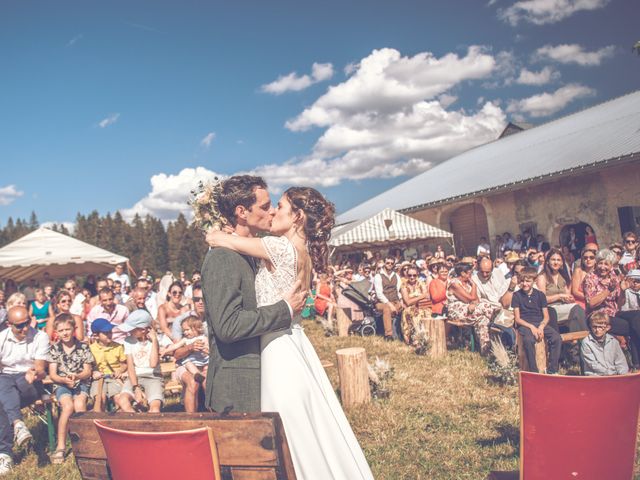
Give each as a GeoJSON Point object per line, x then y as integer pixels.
{"type": "Point", "coordinates": [260, 358]}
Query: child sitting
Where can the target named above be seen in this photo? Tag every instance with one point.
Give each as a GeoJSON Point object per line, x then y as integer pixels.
{"type": "Point", "coordinates": [144, 385]}
{"type": "Point", "coordinates": [632, 294]}
{"type": "Point", "coordinates": [196, 362]}
{"type": "Point", "coordinates": [600, 352]}
{"type": "Point", "coordinates": [111, 365]}
{"type": "Point", "coordinates": [532, 318]}
{"type": "Point", "coordinates": [70, 369]}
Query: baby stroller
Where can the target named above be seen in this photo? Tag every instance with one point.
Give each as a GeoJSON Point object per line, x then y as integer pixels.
{"type": "Point", "coordinates": [358, 292]}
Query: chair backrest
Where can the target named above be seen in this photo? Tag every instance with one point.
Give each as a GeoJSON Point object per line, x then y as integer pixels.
{"type": "Point", "coordinates": [184, 454]}
{"type": "Point", "coordinates": [578, 427]}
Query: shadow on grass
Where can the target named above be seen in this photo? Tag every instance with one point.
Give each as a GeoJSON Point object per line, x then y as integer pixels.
{"type": "Point", "coordinates": [507, 434]}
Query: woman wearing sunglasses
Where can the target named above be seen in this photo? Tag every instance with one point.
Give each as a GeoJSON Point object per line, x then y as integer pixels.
{"type": "Point", "coordinates": [62, 304]}
{"type": "Point", "coordinates": [175, 306]}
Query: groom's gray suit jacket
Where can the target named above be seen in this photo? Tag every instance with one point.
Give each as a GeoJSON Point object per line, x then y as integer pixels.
{"type": "Point", "coordinates": [235, 325]}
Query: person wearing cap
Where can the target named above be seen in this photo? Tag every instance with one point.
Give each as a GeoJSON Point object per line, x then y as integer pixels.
{"type": "Point", "coordinates": [144, 384]}
{"type": "Point", "coordinates": [110, 365]}
{"type": "Point", "coordinates": [387, 284]}
{"type": "Point", "coordinates": [632, 294]}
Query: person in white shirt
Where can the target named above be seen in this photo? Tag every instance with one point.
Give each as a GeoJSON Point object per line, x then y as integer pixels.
{"type": "Point", "coordinates": [484, 249]}
{"type": "Point", "coordinates": [23, 355]}
{"type": "Point", "coordinates": [387, 285]}
{"type": "Point", "coordinates": [630, 245]}
{"type": "Point", "coordinates": [119, 274]}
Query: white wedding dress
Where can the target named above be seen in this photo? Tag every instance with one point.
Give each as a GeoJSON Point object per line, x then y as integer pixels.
{"type": "Point", "coordinates": [294, 384]}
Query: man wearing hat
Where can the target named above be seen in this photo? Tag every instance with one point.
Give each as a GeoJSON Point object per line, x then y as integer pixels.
{"type": "Point", "coordinates": [387, 285]}
{"type": "Point", "coordinates": [632, 294]}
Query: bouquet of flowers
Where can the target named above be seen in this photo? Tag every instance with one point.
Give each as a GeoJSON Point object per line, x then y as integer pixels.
{"type": "Point", "coordinates": [380, 372]}
{"type": "Point", "coordinates": [204, 202]}
{"type": "Point", "coordinates": [504, 365]}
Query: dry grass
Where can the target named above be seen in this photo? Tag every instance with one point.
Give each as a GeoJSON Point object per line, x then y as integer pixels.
{"type": "Point", "coordinates": [444, 419]}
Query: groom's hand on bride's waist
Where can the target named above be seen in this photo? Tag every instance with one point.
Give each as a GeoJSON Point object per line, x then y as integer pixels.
{"type": "Point", "coordinates": [296, 297]}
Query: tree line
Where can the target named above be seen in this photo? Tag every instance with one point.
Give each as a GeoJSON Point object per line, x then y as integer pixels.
{"type": "Point", "coordinates": [145, 240]}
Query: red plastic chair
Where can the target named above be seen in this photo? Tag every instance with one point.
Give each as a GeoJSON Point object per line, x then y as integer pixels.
{"type": "Point", "coordinates": [582, 428]}
{"type": "Point", "coordinates": [160, 455]}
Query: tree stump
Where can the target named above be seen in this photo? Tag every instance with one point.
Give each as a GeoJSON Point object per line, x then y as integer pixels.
{"type": "Point", "coordinates": [354, 376]}
{"type": "Point", "coordinates": [343, 322]}
{"type": "Point", "coordinates": [437, 337]}
{"type": "Point", "coordinates": [541, 355]}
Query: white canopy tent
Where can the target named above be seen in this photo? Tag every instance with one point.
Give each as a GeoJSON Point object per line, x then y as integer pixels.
{"type": "Point", "coordinates": [385, 228]}
{"type": "Point", "coordinates": [44, 251]}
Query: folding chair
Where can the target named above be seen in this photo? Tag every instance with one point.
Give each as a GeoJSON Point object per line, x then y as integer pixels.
{"type": "Point", "coordinates": [133, 455]}
{"type": "Point", "coordinates": [577, 427]}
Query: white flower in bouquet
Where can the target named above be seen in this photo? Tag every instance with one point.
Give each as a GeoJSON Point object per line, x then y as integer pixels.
{"type": "Point", "coordinates": [204, 202]}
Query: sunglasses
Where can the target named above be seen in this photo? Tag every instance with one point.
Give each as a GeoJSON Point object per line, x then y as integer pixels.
{"type": "Point", "coordinates": [588, 257]}
{"type": "Point", "coordinates": [20, 326]}
{"type": "Point", "coordinates": [630, 241]}
{"type": "Point", "coordinates": [176, 292]}
{"type": "Point", "coordinates": [412, 276]}
{"type": "Point", "coordinates": [66, 300]}
{"type": "Point", "coordinates": [198, 299]}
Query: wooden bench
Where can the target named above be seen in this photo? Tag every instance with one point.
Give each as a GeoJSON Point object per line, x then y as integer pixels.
{"type": "Point", "coordinates": [572, 336]}
{"type": "Point", "coordinates": [251, 446]}
{"type": "Point", "coordinates": [468, 328]}
{"type": "Point", "coordinates": [171, 386]}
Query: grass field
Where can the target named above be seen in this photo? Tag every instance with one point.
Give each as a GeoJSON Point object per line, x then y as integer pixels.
{"type": "Point", "coordinates": [444, 419]}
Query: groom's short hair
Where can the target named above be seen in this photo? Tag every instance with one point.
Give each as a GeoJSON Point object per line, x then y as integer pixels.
{"type": "Point", "coordinates": [238, 190]}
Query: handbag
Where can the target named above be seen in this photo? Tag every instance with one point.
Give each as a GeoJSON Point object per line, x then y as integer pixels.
{"type": "Point", "coordinates": [505, 318]}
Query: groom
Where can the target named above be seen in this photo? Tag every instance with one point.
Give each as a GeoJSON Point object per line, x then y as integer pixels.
{"type": "Point", "coordinates": [228, 286]}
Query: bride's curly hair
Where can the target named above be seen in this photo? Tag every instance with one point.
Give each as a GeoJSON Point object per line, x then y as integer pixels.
{"type": "Point", "coordinates": [319, 220]}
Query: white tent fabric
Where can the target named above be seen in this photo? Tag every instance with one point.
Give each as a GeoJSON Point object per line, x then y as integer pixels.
{"type": "Point", "coordinates": [386, 227]}
{"type": "Point", "coordinates": [45, 251]}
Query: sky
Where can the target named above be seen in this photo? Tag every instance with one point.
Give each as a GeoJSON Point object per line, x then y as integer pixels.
{"type": "Point", "coordinates": [125, 106]}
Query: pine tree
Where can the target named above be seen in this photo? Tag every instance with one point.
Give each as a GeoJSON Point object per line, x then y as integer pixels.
{"type": "Point", "coordinates": [33, 221]}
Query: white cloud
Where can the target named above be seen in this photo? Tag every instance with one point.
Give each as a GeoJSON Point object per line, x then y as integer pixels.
{"type": "Point", "coordinates": [389, 119]}
{"type": "Point", "coordinates": [293, 82]}
{"type": "Point", "coordinates": [544, 76]}
{"type": "Point", "coordinates": [110, 120]}
{"type": "Point", "coordinates": [9, 194]}
{"type": "Point", "coordinates": [208, 138]}
{"type": "Point", "coordinates": [545, 104]}
{"type": "Point", "coordinates": [446, 100]}
{"type": "Point", "coordinates": [574, 53]}
{"type": "Point", "coordinates": [72, 42]}
{"type": "Point", "coordinates": [385, 82]}
{"type": "Point", "coordinates": [541, 12]}
{"type": "Point", "coordinates": [169, 194]}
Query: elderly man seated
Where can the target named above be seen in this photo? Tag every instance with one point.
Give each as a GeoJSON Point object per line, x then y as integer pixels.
{"type": "Point", "coordinates": [495, 289]}
{"type": "Point", "coordinates": [23, 355]}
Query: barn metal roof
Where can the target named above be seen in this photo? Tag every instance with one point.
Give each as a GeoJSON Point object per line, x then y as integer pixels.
{"type": "Point", "coordinates": [600, 135]}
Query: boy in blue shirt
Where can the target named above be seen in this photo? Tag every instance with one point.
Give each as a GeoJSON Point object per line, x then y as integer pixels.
{"type": "Point", "coordinates": [532, 320]}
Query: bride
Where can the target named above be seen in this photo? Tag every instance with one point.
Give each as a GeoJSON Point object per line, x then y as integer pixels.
{"type": "Point", "coordinates": [293, 382]}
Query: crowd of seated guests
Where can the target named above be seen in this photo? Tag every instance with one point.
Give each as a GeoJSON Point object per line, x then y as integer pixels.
{"type": "Point", "coordinates": [97, 347]}
{"type": "Point", "coordinates": [491, 294]}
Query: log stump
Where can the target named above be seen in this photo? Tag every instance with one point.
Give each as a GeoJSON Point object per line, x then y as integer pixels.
{"type": "Point", "coordinates": [437, 337]}
{"type": "Point", "coordinates": [541, 355]}
{"type": "Point", "coordinates": [353, 372]}
{"type": "Point", "coordinates": [343, 322]}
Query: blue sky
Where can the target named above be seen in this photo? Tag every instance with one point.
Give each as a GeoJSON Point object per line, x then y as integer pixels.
{"type": "Point", "coordinates": [124, 105]}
